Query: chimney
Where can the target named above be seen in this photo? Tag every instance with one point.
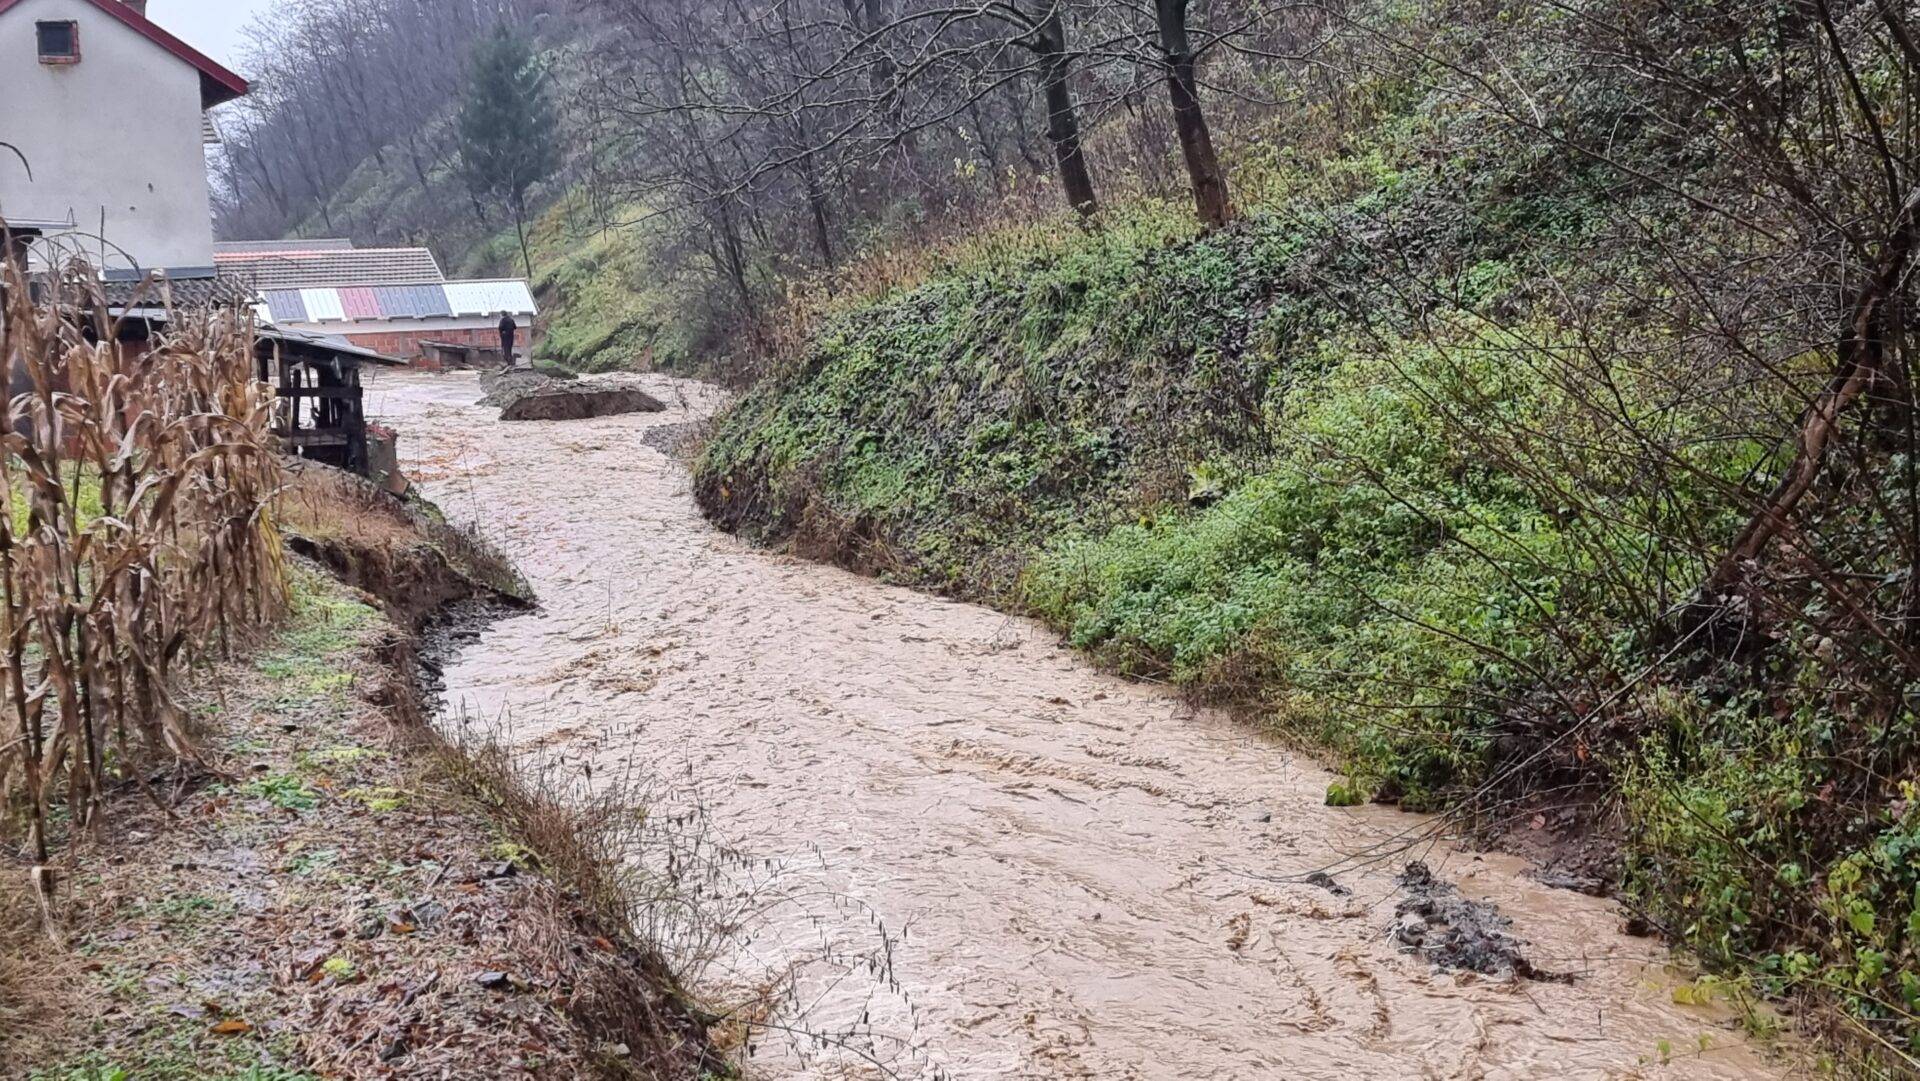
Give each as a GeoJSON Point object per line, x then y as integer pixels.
{"type": "Point", "coordinates": [139, 7]}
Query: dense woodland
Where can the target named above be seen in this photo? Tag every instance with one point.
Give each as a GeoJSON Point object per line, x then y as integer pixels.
{"type": "Point", "coordinates": [1516, 397]}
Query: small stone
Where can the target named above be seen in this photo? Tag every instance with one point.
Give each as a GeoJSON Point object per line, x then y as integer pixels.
{"type": "Point", "coordinates": [493, 981]}
{"type": "Point", "coordinates": [394, 1051]}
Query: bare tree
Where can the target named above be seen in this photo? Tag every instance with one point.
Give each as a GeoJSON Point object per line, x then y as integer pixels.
{"type": "Point", "coordinates": [1211, 199]}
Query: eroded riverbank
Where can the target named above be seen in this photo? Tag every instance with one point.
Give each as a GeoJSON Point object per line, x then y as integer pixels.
{"type": "Point", "coordinates": [1071, 875]}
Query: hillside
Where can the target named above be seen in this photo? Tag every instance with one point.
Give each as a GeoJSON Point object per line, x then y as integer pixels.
{"type": "Point", "coordinates": [1433, 459]}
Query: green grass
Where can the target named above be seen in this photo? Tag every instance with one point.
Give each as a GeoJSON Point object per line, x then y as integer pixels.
{"type": "Point", "coordinates": [284, 791]}
{"type": "Point", "coordinates": [323, 625]}
{"type": "Point", "coordinates": [87, 506]}
{"type": "Point", "coordinates": [1396, 527]}
{"type": "Point", "coordinates": [607, 307]}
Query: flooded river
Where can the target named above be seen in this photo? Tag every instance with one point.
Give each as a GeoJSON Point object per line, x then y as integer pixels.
{"type": "Point", "coordinates": [980, 857]}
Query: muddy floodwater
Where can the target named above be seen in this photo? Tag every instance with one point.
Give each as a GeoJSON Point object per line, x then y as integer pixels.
{"type": "Point", "coordinates": [978, 856]}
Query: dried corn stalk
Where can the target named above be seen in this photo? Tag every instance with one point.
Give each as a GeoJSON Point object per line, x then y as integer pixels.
{"type": "Point", "coordinates": [136, 537]}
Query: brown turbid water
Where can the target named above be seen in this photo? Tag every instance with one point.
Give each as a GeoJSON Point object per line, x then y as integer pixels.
{"type": "Point", "coordinates": [972, 854]}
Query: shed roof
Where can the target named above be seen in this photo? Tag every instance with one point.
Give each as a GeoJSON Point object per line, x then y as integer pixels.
{"type": "Point", "coordinates": [217, 84]}
{"type": "Point", "coordinates": [308, 342]}
{"type": "Point", "coordinates": [379, 303]}
{"type": "Point", "coordinates": [490, 297]}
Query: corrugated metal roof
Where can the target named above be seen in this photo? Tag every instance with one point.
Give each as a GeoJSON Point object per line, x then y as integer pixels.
{"type": "Point", "coordinates": [411, 301]}
{"type": "Point", "coordinates": [377, 303]}
{"type": "Point", "coordinates": [359, 303]}
{"type": "Point", "coordinates": [286, 305]}
{"type": "Point", "coordinates": [323, 305]}
{"type": "Point", "coordinates": [321, 268]}
{"type": "Point", "coordinates": [490, 297]}
{"type": "Point", "coordinates": [307, 341]}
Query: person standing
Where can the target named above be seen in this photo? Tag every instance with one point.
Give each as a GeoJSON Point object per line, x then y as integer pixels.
{"type": "Point", "coordinates": [508, 329]}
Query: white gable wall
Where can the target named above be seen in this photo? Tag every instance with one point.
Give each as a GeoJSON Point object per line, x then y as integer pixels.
{"type": "Point", "coordinates": [117, 135]}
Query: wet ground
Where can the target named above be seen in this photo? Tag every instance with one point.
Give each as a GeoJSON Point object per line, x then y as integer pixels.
{"type": "Point", "coordinates": [968, 852]}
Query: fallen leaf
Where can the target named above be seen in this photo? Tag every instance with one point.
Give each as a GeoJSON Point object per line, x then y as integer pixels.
{"type": "Point", "coordinates": [232, 1026]}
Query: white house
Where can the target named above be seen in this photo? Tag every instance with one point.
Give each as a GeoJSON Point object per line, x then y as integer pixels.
{"type": "Point", "coordinates": [108, 110]}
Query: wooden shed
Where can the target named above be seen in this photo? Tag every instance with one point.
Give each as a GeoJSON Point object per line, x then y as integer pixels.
{"type": "Point", "coordinates": [323, 414]}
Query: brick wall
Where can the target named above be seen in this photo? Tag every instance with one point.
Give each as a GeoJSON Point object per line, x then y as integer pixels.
{"type": "Point", "coordinates": [406, 344]}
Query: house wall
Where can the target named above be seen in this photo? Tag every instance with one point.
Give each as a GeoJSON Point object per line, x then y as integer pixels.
{"type": "Point", "coordinates": [406, 344]}
{"type": "Point", "coordinates": [403, 339]}
{"type": "Point", "coordinates": [116, 135]}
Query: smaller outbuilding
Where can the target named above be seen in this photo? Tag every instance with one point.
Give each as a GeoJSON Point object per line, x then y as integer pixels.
{"type": "Point", "coordinates": [323, 412]}
{"type": "Point", "coordinates": [393, 301]}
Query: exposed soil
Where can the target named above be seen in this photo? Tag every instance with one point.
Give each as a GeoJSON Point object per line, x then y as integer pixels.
{"type": "Point", "coordinates": [502, 385]}
{"type": "Point", "coordinates": [336, 892]}
{"type": "Point", "coordinates": [524, 395]}
{"type": "Point", "coordinates": [975, 855]}
{"type": "Point", "coordinates": [580, 401]}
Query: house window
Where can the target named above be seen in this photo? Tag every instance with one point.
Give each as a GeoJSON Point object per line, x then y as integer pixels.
{"type": "Point", "coordinates": [59, 42]}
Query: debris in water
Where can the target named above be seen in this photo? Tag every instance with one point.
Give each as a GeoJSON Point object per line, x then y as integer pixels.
{"type": "Point", "coordinates": [1454, 933]}
{"type": "Point", "coordinates": [673, 440]}
{"type": "Point", "coordinates": [1325, 881]}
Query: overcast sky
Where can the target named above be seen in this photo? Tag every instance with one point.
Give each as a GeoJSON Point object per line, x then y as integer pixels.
{"type": "Point", "coordinates": [215, 27]}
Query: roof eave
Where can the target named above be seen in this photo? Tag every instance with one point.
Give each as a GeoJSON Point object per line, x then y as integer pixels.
{"type": "Point", "coordinates": [218, 85]}
{"type": "Point", "coordinates": [213, 92]}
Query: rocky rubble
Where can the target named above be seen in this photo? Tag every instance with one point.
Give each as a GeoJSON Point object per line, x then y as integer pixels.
{"type": "Point", "coordinates": [1454, 933]}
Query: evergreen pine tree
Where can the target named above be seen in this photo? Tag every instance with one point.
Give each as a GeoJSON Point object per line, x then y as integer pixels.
{"type": "Point", "coordinates": [507, 127]}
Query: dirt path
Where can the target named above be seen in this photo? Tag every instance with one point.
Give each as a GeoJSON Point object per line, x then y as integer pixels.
{"type": "Point", "coordinates": [1077, 876]}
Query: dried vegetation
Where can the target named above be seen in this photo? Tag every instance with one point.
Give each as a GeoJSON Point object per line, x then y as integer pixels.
{"type": "Point", "coordinates": [135, 541]}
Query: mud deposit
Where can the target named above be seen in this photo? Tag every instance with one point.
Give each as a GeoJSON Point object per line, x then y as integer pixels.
{"type": "Point", "coordinates": [970, 853]}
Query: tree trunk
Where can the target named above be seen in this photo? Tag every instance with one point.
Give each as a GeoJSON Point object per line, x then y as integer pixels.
{"type": "Point", "coordinates": [734, 252]}
{"type": "Point", "coordinates": [1063, 119]}
{"type": "Point", "coordinates": [520, 227]}
{"type": "Point", "coordinates": [817, 203]}
{"type": "Point", "coordinates": [1209, 180]}
{"type": "Point", "coordinates": [1864, 343]}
